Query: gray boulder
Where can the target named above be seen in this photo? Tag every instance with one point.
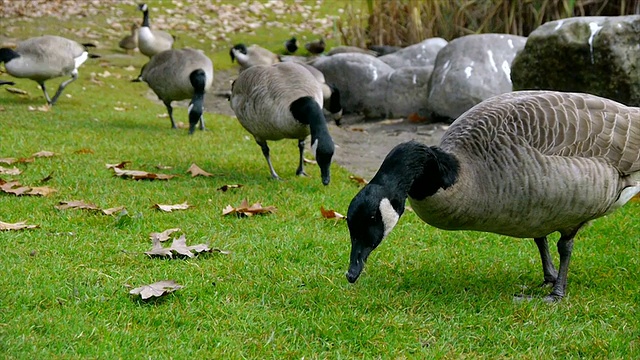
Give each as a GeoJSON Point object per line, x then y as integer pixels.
{"type": "Point", "coordinates": [371, 87]}
{"type": "Point", "coordinates": [597, 55]}
{"type": "Point", "coordinates": [471, 69]}
{"type": "Point", "coordinates": [420, 54]}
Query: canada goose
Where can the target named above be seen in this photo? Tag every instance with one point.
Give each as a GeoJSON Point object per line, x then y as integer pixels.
{"type": "Point", "coordinates": [43, 58]}
{"type": "Point", "coordinates": [330, 94]}
{"type": "Point", "coordinates": [178, 75]}
{"type": "Point", "coordinates": [522, 164]}
{"type": "Point", "coordinates": [151, 42]}
{"type": "Point", "coordinates": [315, 47]}
{"type": "Point", "coordinates": [130, 42]}
{"type": "Point", "coordinates": [291, 45]}
{"type": "Point", "coordinates": [283, 101]}
{"type": "Point", "coordinates": [252, 55]}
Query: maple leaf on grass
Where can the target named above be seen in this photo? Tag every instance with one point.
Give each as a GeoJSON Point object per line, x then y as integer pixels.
{"type": "Point", "coordinates": [120, 165]}
{"type": "Point", "coordinates": [44, 153]}
{"type": "Point", "coordinates": [245, 210]}
{"type": "Point", "coordinates": [63, 205]}
{"type": "Point", "coordinates": [225, 188]}
{"type": "Point", "coordinates": [16, 226]}
{"type": "Point", "coordinates": [156, 289]}
{"type": "Point", "coordinates": [163, 236]}
{"type": "Point", "coordinates": [158, 250]}
{"type": "Point", "coordinates": [195, 170]}
{"type": "Point", "coordinates": [331, 214]}
{"type": "Point", "coordinates": [15, 188]}
{"type": "Point", "coordinates": [140, 175]}
{"type": "Point", "coordinates": [10, 171]}
{"type": "Point", "coordinates": [10, 161]}
{"type": "Point", "coordinates": [358, 180]}
{"type": "Point", "coordinates": [170, 208]}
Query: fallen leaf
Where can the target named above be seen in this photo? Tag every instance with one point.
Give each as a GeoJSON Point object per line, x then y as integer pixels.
{"type": "Point", "coordinates": [307, 161]}
{"type": "Point", "coordinates": [140, 175]}
{"type": "Point", "coordinates": [163, 236]}
{"type": "Point", "coordinates": [10, 161]}
{"type": "Point", "coordinates": [331, 214]}
{"type": "Point", "coordinates": [16, 91]}
{"type": "Point", "coordinates": [224, 188]}
{"type": "Point", "coordinates": [156, 289]}
{"type": "Point", "coordinates": [15, 188]}
{"type": "Point", "coordinates": [44, 153]}
{"type": "Point", "coordinates": [195, 170]}
{"type": "Point", "coordinates": [10, 171]}
{"type": "Point", "coordinates": [113, 210]}
{"type": "Point", "coordinates": [63, 205]}
{"type": "Point", "coordinates": [41, 190]}
{"type": "Point", "coordinates": [43, 108]}
{"type": "Point", "coordinates": [83, 151]}
{"type": "Point", "coordinates": [170, 208]}
{"type": "Point", "coordinates": [179, 245]}
{"type": "Point", "coordinates": [120, 165]}
{"type": "Point", "coordinates": [358, 180]}
{"type": "Point", "coordinates": [245, 210]}
{"type": "Point", "coordinates": [16, 226]}
{"type": "Point", "coordinates": [158, 251]}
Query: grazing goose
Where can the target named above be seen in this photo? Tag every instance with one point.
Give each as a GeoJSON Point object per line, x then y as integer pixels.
{"type": "Point", "coordinates": [252, 55]}
{"type": "Point", "coordinates": [283, 101]}
{"type": "Point", "coordinates": [291, 45]}
{"type": "Point", "coordinates": [178, 75]}
{"type": "Point", "coordinates": [130, 42]}
{"type": "Point", "coordinates": [315, 47]}
{"type": "Point", "coordinates": [43, 58]}
{"type": "Point", "coordinates": [151, 42]}
{"type": "Point", "coordinates": [330, 94]}
{"type": "Point", "coordinates": [522, 164]}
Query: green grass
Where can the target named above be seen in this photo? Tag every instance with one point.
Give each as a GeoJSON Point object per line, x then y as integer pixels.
{"type": "Point", "coordinates": [281, 293]}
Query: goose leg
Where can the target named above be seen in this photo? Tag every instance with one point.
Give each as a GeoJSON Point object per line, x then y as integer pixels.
{"type": "Point", "coordinates": [74, 77]}
{"type": "Point", "coordinates": [300, 170]}
{"type": "Point", "coordinates": [550, 273]}
{"type": "Point", "coordinates": [265, 152]}
{"type": "Point", "coordinates": [170, 111]}
{"type": "Point", "coordinates": [565, 247]}
{"type": "Point", "coordinates": [202, 123]}
{"type": "Point", "coordinates": [44, 90]}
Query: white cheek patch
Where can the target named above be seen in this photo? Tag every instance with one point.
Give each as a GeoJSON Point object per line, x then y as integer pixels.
{"type": "Point", "coordinates": [389, 216]}
{"type": "Point", "coordinates": [314, 147]}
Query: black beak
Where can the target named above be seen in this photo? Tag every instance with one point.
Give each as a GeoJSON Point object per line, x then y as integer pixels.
{"type": "Point", "coordinates": [359, 255]}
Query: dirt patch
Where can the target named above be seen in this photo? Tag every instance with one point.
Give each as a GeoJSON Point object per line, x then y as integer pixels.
{"type": "Point", "coordinates": [360, 145]}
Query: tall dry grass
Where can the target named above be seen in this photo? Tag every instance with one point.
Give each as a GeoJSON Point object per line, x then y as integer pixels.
{"type": "Point", "coordinates": [406, 22]}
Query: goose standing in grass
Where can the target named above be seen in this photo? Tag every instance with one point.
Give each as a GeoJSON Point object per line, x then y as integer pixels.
{"type": "Point", "coordinates": [291, 45]}
{"type": "Point", "coordinates": [315, 47]}
{"type": "Point", "coordinates": [283, 101]}
{"type": "Point", "coordinates": [252, 55]}
{"type": "Point", "coordinates": [522, 164]}
{"type": "Point", "coordinates": [43, 58]}
{"type": "Point", "coordinates": [330, 94]}
{"type": "Point", "coordinates": [151, 42]}
{"type": "Point", "coordinates": [179, 75]}
{"type": "Point", "coordinates": [130, 42]}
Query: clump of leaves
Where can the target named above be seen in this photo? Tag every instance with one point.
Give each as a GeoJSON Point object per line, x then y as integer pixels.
{"type": "Point", "coordinates": [16, 226]}
{"type": "Point", "coordinates": [157, 289]}
{"type": "Point", "coordinates": [63, 205]}
{"type": "Point", "coordinates": [15, 188]}
{"type": "Point", "coordinates": [244, 210]}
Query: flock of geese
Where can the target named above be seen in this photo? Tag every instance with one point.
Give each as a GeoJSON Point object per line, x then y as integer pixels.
{"type": "Point", "coordinates": [523, 164]}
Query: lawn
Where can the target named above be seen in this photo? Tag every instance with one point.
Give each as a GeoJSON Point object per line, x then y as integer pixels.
{"type": "Point", "coordinates": [281, 291]}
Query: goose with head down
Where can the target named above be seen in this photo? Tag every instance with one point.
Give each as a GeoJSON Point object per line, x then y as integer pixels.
{"type": "Point", "coordinates": [522, 164]}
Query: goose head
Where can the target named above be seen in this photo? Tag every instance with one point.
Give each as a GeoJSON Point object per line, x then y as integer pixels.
{"type": "Point", "coordinates": [291, 45]}
{"type": "Point", "coordinates": [7, 55]}
{"type": "Point", "coordinates": [372, 214]}
{"type": "Point", "coordinates": [143, 7]}
{"type": "Point", "coordinates": [239, 48]}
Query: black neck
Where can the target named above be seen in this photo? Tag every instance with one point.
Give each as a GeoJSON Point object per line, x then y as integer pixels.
{"type": "Point", "coordinates": [7, 55]}
{"type": "Point", "coordinates": [145, 18]}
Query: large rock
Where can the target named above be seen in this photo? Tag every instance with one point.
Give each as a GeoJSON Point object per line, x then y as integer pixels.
{"type": "Point", "coordinates": [471, 69]}
{"type": "Point", "coordinates": [597, 55]}
{"type": "Point", "coordinates": [420, 54]}
{"type": "Point", "coordinates": [371, 87]}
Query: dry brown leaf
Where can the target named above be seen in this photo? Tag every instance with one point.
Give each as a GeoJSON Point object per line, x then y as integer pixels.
{"type": "Point", "coordinates": [156, 289]}
{"type": "Point", "coordinates": [163, 236]}
{"type": "Point", "coordinates": [358, 180]}
{"type": "Point", "coordinates": [10, 171]}
{"type": "Point", "coordinates": [83, 151]}
{"type": "Point", "coordinates": [44, 153]}
{"type": "Point", "coordinates": [16, 91]}
{"type": "Point", "coordinates": [41, 190]}
{"type": "Point", "coordinates": [120, 165]}
{"type": "Point", "coordinates": [331, 214]}
{"type": "Point", "coordinates": [224, 188]}
{"type": "Point", "coordinates": [195, 170]}
{"type": "Point", "coordinates": [10, 161]}
{"type": "Point", "coordinates": [16, 226]}
{"type": "Point", "coordinates": [141, 175]}
{"type": "Point", "coordinates": [158, 251]}
{"type": "Point", "coordinates": [63, 205]}
{"type": "Point", "coordinates": [245, 210]}
{"type": "Point", "coordinates": [113, 210]}
{"type": "Point", "coordinates": [179, 245]}
{"type": "Point", "coordinates": [170, 208]}
{"type": "Point", "coordinates": [15, 188]}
